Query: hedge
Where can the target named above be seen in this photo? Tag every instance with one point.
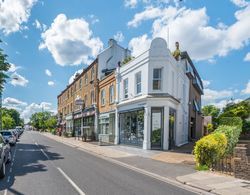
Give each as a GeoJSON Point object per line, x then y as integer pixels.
{"type": "Point", "coordinates": [231, 121]}
{"type": "Point", "coordinates": [210, 148]}
{"type": "Point", "coordinates": [232, 133]}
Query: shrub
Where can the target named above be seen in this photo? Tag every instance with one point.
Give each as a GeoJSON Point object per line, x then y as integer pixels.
{"type": "Point", "coordinates": [210, 128]}
{"type": "Point", "coordinates": [209, 149]}
{"type": "Point", "coordinates": [53, 131]}
{"type": "Point", "coordinates": [232, 133]}
{"type": "Point", "coordinates": [231, 121]}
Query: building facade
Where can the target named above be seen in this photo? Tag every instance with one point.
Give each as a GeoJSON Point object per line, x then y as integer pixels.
{"type": "Point", "coordinates": [107, 107]}
{"type": "Point", "coordinates": [152, 100]}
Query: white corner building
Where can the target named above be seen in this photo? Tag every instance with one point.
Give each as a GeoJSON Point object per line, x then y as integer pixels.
{"type": "Point", "coordinates": [152, 95]}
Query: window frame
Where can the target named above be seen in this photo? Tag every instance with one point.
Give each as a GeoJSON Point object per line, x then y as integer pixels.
{"type": "Point", "coordinates": [103, 97]}
{"type": "Point", "coordinates": [138, 83]}
{"type": "Point", "coordinates": [125, 95]}
{"type": "Point", "coordinates": [111, 96]}
{"type": "Point", "coordinates": [157, 79]}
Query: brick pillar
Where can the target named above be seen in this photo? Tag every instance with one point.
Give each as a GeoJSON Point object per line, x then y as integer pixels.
{"type": "Point", "coordinates": [241, 164]}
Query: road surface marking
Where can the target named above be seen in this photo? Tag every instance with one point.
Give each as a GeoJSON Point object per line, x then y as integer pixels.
{"type": "Point", "coordinates": [70, 181]}
{"type": "Point", "coordinates": [5, 192]}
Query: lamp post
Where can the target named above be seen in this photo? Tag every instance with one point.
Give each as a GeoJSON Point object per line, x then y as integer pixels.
{"type": "Point", "coordinates": [1, 121]}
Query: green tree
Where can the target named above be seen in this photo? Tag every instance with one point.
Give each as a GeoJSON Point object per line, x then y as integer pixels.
{"type": "Point", "coordinates": [211, 110]}
{"type": "Point", "coordinates": [38, 120]}
{"type": "Point", "coordinates": [8, 122]}
{"type": "Point", "coordinates": [51, 123]}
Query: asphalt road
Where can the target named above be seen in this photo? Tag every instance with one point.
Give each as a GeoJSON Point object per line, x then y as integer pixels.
{"type": "Point", "coordinates": [44, 166]}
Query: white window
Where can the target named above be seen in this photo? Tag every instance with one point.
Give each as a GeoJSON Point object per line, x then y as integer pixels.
{"type": "Point", "coordinates": [86, 79]}
{"type": "Point", "coordinates": [111, 94]}
{"type": "Point", "coordinates": [92, 97]}
{"type": "Point", "coordinates": [103, 97]}
{"type": "Point", "coordinates": [125, 88]}
{"type": "Point", "coordinates": [157, 79]}
{"type": "Point", "coordinates": [138, 82]}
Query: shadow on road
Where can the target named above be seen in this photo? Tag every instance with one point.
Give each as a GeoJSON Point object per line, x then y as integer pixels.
{"type": "Point", "coordinates": [28, 159]}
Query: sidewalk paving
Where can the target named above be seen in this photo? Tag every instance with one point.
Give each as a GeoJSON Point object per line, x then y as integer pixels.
{"type": "Point", "coordinates": [170, 165]}
{"type": "Point", "coordinates": [216, 183]}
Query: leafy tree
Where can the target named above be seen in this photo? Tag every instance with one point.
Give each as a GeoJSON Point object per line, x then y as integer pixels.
{"type": "Point", "coordinates": [38, 120]}
{"type": "Point", "coordinates": [8, 122]}
{"type": "Point", "coordinates": [4, 67]}
{"type": "Point", "coordinates": [211, 110]}
{"type": "Point", "coordinates": [51, 123]}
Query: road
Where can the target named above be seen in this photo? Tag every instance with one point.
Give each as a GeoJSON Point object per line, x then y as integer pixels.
{"type": "Point", "coordinates": [44, 166]}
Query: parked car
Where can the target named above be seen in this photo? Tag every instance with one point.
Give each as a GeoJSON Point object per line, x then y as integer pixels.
{"type": "Point", "coordinates": [9, 137]}
{"type": "Point", "coordinates": [15, 132]}
{"type": "Point", "coordinates": [5, 155]}
{"type": "Point", "coordinates": [20, 131]}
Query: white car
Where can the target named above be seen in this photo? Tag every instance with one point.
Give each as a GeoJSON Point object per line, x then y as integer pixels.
{"type": "Point", "coordinates": [9, 135]}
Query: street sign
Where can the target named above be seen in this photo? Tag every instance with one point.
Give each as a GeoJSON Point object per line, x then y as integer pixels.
{"type": "Point", "coordinates": [79, 102]}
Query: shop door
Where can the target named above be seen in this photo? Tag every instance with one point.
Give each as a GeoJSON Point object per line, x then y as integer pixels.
{"type": "Point", "coordinates": [156, 128]}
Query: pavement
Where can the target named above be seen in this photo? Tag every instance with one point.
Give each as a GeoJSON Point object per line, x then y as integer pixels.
{"type": "Point", "coordinates": [49, 166]}
{"type": "Point", "coordinates": [171, 166]}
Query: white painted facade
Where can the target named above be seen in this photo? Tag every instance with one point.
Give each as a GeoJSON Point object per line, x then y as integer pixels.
{"type": "Point", "coordinates": [173, 93]}
{"type": "Point", "coordinates": [109, 58]}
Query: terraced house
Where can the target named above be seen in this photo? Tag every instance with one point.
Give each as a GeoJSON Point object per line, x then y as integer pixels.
{"type": "Point", "coordinates": [151, 101]}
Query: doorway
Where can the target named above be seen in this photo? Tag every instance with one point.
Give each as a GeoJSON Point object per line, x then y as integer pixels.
{"type": "Point", "coordinates": [172, 124]}
{"type": "Point", "coordinates": [156, 128]}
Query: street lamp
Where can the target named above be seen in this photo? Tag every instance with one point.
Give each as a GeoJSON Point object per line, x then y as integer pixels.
{"type": "Point", "coordinates": [1, 122]}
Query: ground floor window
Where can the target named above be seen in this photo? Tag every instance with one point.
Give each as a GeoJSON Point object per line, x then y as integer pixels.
{"type": "Point", "coordinates": [107, 125]}
{"type": "Point", "coordinates": [77, 127]}
{"type": "Point", "coordinates": [89, 126]}
{"type": "Point", "coordinates": [69, 125]}
{"type": "Point", "coordinates": [132, 127]}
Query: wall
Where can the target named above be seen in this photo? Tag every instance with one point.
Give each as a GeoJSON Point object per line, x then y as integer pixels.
{"type": "Point", "coordinates": [105, 85]}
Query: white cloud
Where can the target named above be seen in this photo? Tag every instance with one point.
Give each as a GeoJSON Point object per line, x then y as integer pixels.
{"type": "Point", "coordinates": [199, 38]}
{"type": "Point", "coordinates": [13, 13]}
{"type": "Point", "coordinates": [247, 57]}
{"type": "Point", "coordinates": [51, 83]}
{"type": "Point", "coordinates": [139, 44]}
{"type": "Point", "coordinates": [9, 101]}
{"type": "Point", "coordinates": [39, 25]}
{"type": "Point", "coordinates": [71, 79]}
{"type": "Point", "coordinates": [34, 107]}
{"type": "Point", "coordinates": [17, 79]}
{"type": "Point", "coordinates": [13, 68]}
{"type": "Point", "coordinates": [240, 3]}
{"type": "Point", "coordinates": [206, 83]}
{"type": "Point", "coordinates": [211, 95]}
{"type": "Point", "coordinates": [119, 36]}
{"type": "Point", "coordinates": [222, 103]}
{"type": "Point", "coordinates": [70, 41]}
{"type": "Point", "coordinates": [130, 3]}
{"type": "Point", "coordinates": [246, 91]}
{"type": "Point", "coordinates": [94, 19]}
{"type": "Point", "coordinates": [48, 72]}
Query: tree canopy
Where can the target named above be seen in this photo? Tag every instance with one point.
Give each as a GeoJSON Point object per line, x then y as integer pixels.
{"type": "Point", "coordinates": [4, 67]}
{"type": "Point", "coordinates": [43, 120]}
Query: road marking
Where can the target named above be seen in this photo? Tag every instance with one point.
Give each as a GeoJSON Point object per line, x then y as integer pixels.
{"type": "Point", "coordinates": [70, 181]}
{"type": "Point", "coordinates": [45, 154]}
{"type": "Point", "coordinates": [5, 192]}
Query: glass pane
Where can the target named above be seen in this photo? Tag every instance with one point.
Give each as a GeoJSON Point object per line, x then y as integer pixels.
{"type": "Point", "coordinates": [156, 128]}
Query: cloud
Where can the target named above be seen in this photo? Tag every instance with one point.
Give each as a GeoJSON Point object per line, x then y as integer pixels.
{"type": "Point", "coordinates": [39, 25]}
{"type": "Point", "coordinates": [17, 79]}
{"type": "Point", "coordinates": [240, 3]}
{"type": "Point", "coordinates": [211, 95]}
{"type": "Point", "coordinates": [130, 3]}
{"type": "Point", "coordinates": [51, 83]}
{"type": "Point", "coordinates": [199, 38]}
{"type": "Point", "coordinates": [246, 91]}
{"type": "Point", "coordinates": [206, 83]}
{"type": "Point", "coordinates": [34, 107]}
{"type": "Point", "coordinates": [94, 19]}
{"type": "Point", "coordinates": [70, 41]}
{"type": "Point", "coordinates": [222, 103]}
{"type": "Point", "coordinates": [139, 44]}
{"type": "Point", "coordinates": [13, 13]}
{"type": "Point", "coordinates": [9, 101]}
{"type": "Point", "coordinates": [247, 57]}
{"type": "Point", "coordinates": [71, 79]}
{"type": "Point", "coordinates": [48, 72]}
{"type": "Point", "coordinates": [119, 36]}
{"type": "Point", "coordinates": [13, 68]}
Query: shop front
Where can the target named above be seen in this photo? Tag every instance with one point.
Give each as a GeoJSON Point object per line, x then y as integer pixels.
{"type": "Point", "coordinates": [107, 126]}
{"type": "Point", "coordinates": [69, 123]}
{"type": "Point", "coordinates": [131, 127]}
{"type": "Point", "coordinates": [77, 124]}
{"type": "Point", "coordinates": [89, 124]}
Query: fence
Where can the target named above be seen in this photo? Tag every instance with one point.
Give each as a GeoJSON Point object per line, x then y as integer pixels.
{"type": "Point", "coordinates": [225, 165]}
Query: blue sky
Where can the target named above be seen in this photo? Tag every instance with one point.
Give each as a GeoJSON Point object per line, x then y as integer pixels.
{"type": "Point", "coordinates": [48, 41]}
